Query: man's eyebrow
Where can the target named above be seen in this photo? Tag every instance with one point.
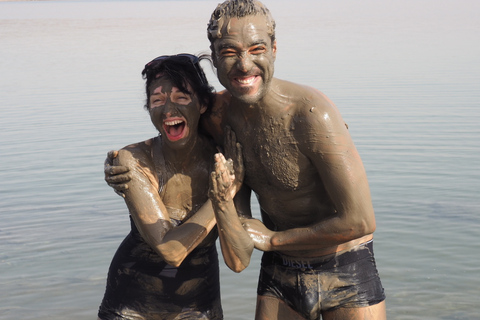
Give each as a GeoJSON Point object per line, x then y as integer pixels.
{"type": "Point", "coordinates": [259, 42]}
{"type": "Point", "coordinates": [234, 46]}
{"type": "Point", "coordinates": [227, 46]}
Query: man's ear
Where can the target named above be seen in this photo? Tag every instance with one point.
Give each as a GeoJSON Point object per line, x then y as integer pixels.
{"type": "Point", "coordinates": [203, 108]}
{"type": "Point", "coordinates": [274, 49]}
{"type": "Point", "coordinates": [214, 59]}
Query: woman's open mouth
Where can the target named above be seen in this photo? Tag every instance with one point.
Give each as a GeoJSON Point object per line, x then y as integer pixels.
{"type": "Point", "coordinates": [175, 129]}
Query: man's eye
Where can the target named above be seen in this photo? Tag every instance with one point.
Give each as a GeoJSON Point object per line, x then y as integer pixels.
{"type": "Point", "coordinates": [257, 50]}
{"type": "Point", "coordinates": [227, 53]}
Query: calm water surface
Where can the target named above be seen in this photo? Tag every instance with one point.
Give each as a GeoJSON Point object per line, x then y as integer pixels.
{"type": "Point", "coordinates": [404, 74]}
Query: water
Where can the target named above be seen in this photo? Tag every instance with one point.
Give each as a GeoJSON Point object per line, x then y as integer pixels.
{"type": "Point", "coordinates": [405, 75]}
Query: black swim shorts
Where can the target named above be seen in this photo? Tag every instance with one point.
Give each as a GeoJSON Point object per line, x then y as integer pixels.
{"type": "Point", "coordinates": [346, 279]}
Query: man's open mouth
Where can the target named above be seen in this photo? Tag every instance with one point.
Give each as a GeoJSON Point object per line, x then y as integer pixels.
{"type": "Point", "coordinates": [245, 81]}
{"type": "Point", "coordinates": [175, 129]}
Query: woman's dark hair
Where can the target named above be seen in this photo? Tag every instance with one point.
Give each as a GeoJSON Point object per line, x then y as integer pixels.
{"type": "Point", "coordinates": [181, 69]}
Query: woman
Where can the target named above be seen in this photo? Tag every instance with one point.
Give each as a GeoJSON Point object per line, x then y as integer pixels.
{"type": "Point", "coordinates": [167, 267]}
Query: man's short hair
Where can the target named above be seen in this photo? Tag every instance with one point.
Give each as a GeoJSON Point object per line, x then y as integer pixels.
{"type": "Point", "coordinates": [237, 9]}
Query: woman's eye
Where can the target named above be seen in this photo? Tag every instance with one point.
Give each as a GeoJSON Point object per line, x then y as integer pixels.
{"type": "Point", "coordinates": [157, 102]}
{"type": "Point", "coordinates": [183, 99]}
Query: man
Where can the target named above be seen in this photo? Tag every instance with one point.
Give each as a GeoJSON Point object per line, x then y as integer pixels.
{"type": "Point", "coordinates": [299, 159]}
{"type": "Point", "coordinates": [309, 179]}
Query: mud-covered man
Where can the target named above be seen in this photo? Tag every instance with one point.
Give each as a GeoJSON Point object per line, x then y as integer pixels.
{"type": "Point", "coordinates": [299, 159]}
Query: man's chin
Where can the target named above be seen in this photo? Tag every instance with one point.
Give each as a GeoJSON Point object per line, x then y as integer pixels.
{"type": "Point", "coordinates": [247, 96]}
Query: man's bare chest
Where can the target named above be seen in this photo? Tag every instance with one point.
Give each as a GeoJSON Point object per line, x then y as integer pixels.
{"type": "Point", "coordinates": [271, 156]}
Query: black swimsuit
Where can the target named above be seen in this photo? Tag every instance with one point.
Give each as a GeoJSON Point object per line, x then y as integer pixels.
{"type": "Point", "coordinates": [141, 285]}
{"type": "Point", "coordinates": [346, 279]}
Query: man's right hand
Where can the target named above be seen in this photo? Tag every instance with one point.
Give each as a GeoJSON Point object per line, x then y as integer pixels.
{"type": "Point", "coordinates": [116, 177]}
{"type": "Point", "coordinates": [234, 152]}
{"type": "Point", "coordinates": [222, 179]}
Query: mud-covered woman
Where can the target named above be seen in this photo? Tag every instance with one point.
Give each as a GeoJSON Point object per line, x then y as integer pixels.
{"type": "Point", "coordinates": [167, 266]}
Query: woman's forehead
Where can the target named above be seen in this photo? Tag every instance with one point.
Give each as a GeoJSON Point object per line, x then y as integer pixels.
{"type": "Point", "coordinates": [163, 84]}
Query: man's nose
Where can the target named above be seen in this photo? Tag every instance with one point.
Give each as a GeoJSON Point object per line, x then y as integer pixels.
{"type": "Point", "coordinates": [244, 62]}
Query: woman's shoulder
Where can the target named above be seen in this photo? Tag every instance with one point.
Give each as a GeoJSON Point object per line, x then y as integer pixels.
{"type": "Point", "coordinates": [140, 152]}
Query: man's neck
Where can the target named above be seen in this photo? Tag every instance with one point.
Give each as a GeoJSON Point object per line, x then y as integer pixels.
{"type": "Point", "coordinates": [265, 106]}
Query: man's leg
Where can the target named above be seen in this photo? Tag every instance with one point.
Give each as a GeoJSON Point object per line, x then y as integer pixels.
{"type": "Point", "coordinates": [375, 312]}
{"type": "Point", "coordinates": [269, 308]}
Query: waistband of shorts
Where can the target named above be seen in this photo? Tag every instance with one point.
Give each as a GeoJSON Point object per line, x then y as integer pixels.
{"type": "Point", "coordinates": [356, 253]}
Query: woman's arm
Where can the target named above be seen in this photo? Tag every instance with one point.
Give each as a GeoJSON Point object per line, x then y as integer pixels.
{"type": "Point", "coordinates": [150, 214]}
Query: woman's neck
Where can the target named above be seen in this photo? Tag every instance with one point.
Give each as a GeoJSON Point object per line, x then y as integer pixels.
{"type": "Point", "coordinates": [181, 159]}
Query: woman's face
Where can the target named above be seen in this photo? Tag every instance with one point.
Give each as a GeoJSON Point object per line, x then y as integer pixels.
{"type": "Point", "coordinates": [175, 114]}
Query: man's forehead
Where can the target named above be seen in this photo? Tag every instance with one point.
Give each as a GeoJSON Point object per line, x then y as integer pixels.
{"type": "Point", "coordinates": [249, 30]}
{"type": "Point", "coordinates": [253, 24]}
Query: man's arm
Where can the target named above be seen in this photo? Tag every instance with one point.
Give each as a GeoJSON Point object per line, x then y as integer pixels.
{"type": "Point", "coordinates": [324, 139]}
{"type": "Point", "coordinates": [236, 244]}
{"type": "Point", "coordinates": [116, 177]}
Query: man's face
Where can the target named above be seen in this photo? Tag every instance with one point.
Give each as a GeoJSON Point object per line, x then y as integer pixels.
{"type": "Point", "coordinates": [244, 57]}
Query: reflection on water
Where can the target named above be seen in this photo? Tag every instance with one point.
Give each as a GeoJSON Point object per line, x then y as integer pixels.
{"type": "Point", "coordinates": [405, 76]}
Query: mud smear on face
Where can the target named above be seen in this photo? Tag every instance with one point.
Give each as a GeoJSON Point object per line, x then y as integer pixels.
{"type": "Point", "coordinates": [174, 123]}
{"type": "Point", "coordinates": [246, 56]}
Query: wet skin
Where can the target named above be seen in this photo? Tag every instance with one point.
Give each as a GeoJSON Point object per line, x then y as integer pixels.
{"type": "Point", "coordinates": [299, 159]}
{"type": "Point", "coordinates": [166, 192]}
{"type": "Point", "coordinates": [244, 58]}
{"type": "Point", "coordinates": [162, 171]}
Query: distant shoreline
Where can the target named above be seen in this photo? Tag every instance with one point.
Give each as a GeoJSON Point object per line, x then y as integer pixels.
{"type": "Point", "coordinates": [24, 0]}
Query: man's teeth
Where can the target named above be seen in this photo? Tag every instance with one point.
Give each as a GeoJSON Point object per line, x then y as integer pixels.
{"type": "Point", "coordinates": [173, 122]}
{"type": "Point", "coordinates": [246, 80]}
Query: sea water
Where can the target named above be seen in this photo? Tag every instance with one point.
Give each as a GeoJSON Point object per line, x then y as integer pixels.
{"type": "Point", "coordinates": [404, 74]}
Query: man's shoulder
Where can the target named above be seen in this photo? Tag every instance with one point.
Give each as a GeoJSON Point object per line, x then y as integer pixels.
{"type": "Point", "coordinates": [305, 98]}
{"type": "Point", "coordinates": [222, 99]}
{"type": "Point", "coordinates": [311, 107]}
{"type": "Point", "coordinates": [213, 121]}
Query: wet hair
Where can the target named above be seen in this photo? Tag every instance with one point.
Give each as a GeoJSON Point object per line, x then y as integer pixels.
{"type": "Point", "coordinates": [237, 9]}
{"type": "Point", "coordinates": [182, 71]}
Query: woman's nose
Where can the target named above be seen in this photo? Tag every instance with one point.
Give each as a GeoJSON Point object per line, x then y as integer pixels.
{"type": "Point", "coordinates": [169, 108]}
